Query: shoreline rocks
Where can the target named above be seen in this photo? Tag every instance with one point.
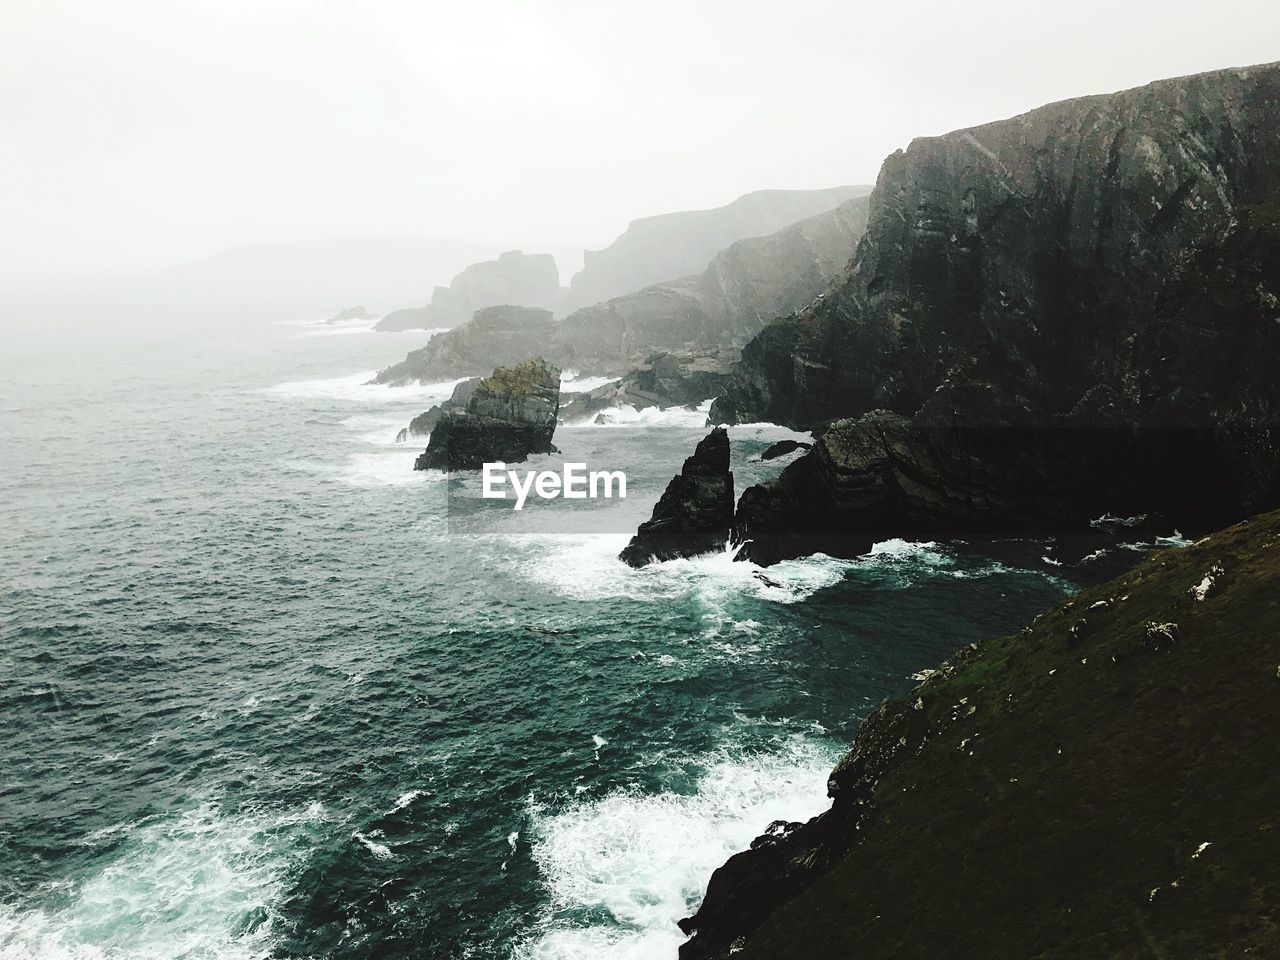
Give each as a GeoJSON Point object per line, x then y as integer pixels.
{"type": "Point", "coordinates": [510, 415]}
{"type": "Point", "coordinates": [695, 513]}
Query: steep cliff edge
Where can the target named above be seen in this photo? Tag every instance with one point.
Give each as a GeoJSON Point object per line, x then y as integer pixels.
{"type": "Point", "coordinates": [655, 249]}
{"type": "Point", "coordinates": [1105, 265]}
{"type": "Point", "coordinates": [515, 277]}
{"type": "Point", "coordinates": [1101, 785]}
{"type": "Point", "coordinates": [716, 311]}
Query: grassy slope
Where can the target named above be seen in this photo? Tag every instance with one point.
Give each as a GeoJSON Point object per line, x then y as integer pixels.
{"type": "Point", "coordinates": [1056, 789]}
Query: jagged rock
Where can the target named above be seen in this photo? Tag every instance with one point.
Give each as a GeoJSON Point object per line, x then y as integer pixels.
{"type": "Point", "coordinates": [664, 380]}
{"type": "Point", "coordinates": [782, 448]}
{"type": "Point", "coordinates": [714, 312]}
{"type": "Point", "coordinates": [654, 249]}
{"type": "Point", "coordinates": [509, 416]}
{"type": "Point", "coordinates": [1101, 268]}
{"type": "Point", "coordinates": [424, 423]}
{"type": "Point", "coordinates": [350, 313]}
{"type": "Point", "coordinates": [1160, 636]}
{"type": "Point", "coordinates": [695, 513]}
{"type": "Point", "coordinates": [1210, 585]}
{"type": "Point", "coordinates": [516, 278]}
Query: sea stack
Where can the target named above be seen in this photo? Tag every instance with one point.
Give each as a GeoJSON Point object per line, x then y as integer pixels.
{"type": "Point", "coordinates": [510, 415]}
{"type": "Point", "coordinates": [695, 512]}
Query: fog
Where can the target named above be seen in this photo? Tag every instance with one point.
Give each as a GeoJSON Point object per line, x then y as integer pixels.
{"type": "Point", "coordinates": [143, 134]}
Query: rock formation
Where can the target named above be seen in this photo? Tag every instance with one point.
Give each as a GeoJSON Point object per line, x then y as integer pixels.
{"type": "Point", "coordinates": [1065, 792]}
{"type": "Point", "coordinates": [716, 311]}
{"type": "Point", "coordinates": [655, 249]}
{"type": "Point", "coordinates": [782, 448]}
{"type": "Point", "coordinates": [664, 380]}
{"type": "Point", "coordinates": [509, 416]}
{"type": "Point", "coordinates": [350, 313]}
{"type": "Point", "coordinates": [1073, 309]}
{"type": "Point", "coordinates": [695, 512]}
{"type": "Point", "coordinates": [424, 423]}
{"type": "Point", "coordinates": [515, 278]}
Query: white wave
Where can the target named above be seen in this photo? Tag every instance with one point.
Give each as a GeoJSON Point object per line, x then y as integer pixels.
{"type": "Point", "coordinates": [629, 416]}
{"type": "Point", "coordinates": [322, 328]}
{"type": "Point", "coordinates": [587, 567]}
{"type": "Point", "coordinates": [393, 468]}
{"type": "Point", "coordinates": [405, 799]}
{"type": "Point", "coordinates": [571, 382]}
{"type": "Point", "coordinates": [356, 388]}
{"type": "Point", "coordinates": [643, 860]}
{"type": "Point", "coordinates": [203, 885]}
{"type": "Point", "coordinates": [380, 850]}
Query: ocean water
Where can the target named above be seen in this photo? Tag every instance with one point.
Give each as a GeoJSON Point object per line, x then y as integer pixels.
{"type": "Point", "coordinates": [260, 700]}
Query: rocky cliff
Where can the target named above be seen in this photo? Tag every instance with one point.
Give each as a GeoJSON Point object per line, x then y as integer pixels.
{"type": "Point", "coordinates": [517, 278]}
{"type": "Point", "coordinates": [1080, 300]}
{"type": "Point", "coordinates": [1100, 785]}
{"type": "Point", "coordinates": [695, 512]}
{"type": "Point", "coordinates": [654, 249]}
{"type": "Point", "coordinates": [718, 310]}
{"type": "Point", "coordinates": [509, 416]}
{"type": "Point", "coordinates": [663, 380]}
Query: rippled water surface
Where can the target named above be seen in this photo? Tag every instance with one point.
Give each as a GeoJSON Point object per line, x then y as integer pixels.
{"type": "Point", "coordinates": [258, 701]}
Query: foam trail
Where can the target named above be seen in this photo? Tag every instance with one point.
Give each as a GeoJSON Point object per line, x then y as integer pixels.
{"type": "Point", "coordinates": [356, 388]}
{"type": "Point", "coordinates": [643, 860]}
{"type": "Point", "coordinates": [203, 885]}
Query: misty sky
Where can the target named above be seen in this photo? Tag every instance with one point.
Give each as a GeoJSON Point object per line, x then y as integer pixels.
{"type": "Point", "coordinates": [140, 133]}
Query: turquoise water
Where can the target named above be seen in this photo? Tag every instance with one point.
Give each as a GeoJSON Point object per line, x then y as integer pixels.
{"type": "Point", "coordinates": [259, 701]}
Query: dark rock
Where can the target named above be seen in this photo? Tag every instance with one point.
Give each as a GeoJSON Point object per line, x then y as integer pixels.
{"type": "Point", "coordinates": [350, 313]}
{"type": "Point", "coordinates": [424, 423]}
{"type": "Point", "coordinates": [664, 380]}
{"type": "Point", "coordinates": [509, 416]}
{"type": "Point", "coordinates": [1091, 286]}
{"type": "Point", "coordinates": [526, 280]}
{"type": "Point", "coordinates": [782, 448]}
{"type": "Point", "coordinates": [695, 513]}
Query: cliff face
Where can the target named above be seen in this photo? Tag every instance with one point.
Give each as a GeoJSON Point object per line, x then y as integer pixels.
{"type": "Point", "coordinates": [1103, 265]}
{"type": "Point", "coordinates": [517, 278]}
{"type": "Point", "coordinates": [1101, 785]}
{"type": "Point", "coordinates": [716, 311]}
{"type": "Point", "coordinates": [654, 249]}
{"type": "Point", "coordinates": [509, 416]}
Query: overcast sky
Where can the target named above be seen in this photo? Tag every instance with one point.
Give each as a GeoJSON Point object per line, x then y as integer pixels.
{"type": "Point", "coordinates": [139, 133]}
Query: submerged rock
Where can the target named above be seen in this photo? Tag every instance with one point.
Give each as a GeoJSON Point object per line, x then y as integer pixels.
{"type": "Point", "coordinates": [350, 313]}
{"type": "Point", "coordinates": [663, 380]}
{"type": "Point", "coordinates": [509, 416]}
{"type": "Point", "coordinates": [782, 448]}
{"type": "Point", "coordinates": [695, 513]}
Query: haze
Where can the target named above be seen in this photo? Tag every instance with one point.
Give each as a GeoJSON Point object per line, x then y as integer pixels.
{"type": "Point", "coordinates": [143, 134]}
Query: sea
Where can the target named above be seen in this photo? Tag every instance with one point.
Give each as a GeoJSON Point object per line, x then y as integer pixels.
{"type": "Point", "coordinates": [261, 698]}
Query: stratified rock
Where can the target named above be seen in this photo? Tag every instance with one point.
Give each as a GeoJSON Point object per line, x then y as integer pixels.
{"type": "Point", "coordinates": [782, 448]}
{"type": "Point", "coordinates": [424, 423]}
{"type": "Point", "coordinates": [350, 313]}
{"type": "Point", "coordinates": [516, 278]}
{"type": "Point", "coordinates": [695, 513]}
{"type": "Point", "coordinates": [1101, 268]}
{"type": "Point", "coordinates": [510, 415]}
{"type": "Point", "coordinates": [654, 249]}
{"type": "Point", "coordinates": [664, 380]}
{"type": "Point", "coordinates": [713, 313]}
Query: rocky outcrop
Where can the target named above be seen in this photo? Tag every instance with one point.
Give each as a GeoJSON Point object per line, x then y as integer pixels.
{"type": "Point", "coordinates": [664, 380]}
{"type": "Point", "coordinates": [715, 312]}
{"type": "Point", "coordinates": [516, 278]}
{"type": "Point", "coordinates": [694, 513]}
{"type": "Point", "coordinates": [782, 448]}
{"type": "Point", "coordinates": [1065, 792]}
{"type": "Point", "coordinates": [350, 313]}
{"type": "Point", "coordinates": [494, 337]}
{"type": "Point", "coordinates": [655, 249]}
{"type": "Point", "coordinates": [424, 423]}
{"type": "Point", "coordinates": [509, 416]}
{"type": "Point", "coordinates": [1079, 300]}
